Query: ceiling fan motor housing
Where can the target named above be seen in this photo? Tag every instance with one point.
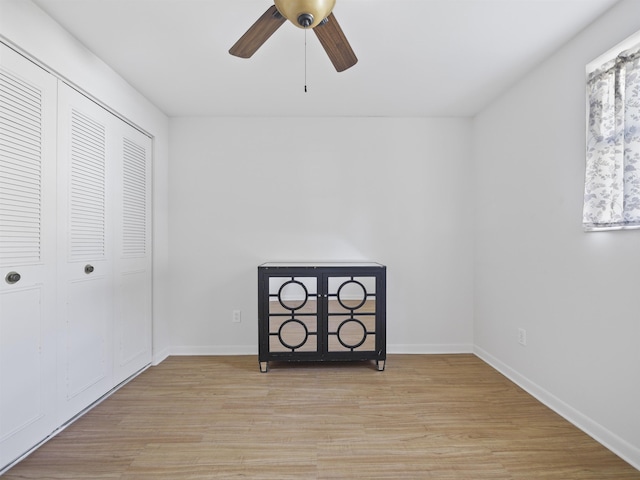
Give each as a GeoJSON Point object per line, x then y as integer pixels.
{"type": "Point", "coordinates": [305, 20]}
{"type": "Point", "coordinates": [305, 13]}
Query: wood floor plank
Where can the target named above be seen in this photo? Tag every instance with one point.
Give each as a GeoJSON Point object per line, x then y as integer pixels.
{"type": "Point", "coordinates": [424, 417]}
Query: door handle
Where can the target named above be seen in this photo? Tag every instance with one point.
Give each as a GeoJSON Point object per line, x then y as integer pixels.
{"type": "Point", "coordinates": [12, 277]}
{"type": "Point", "coordinates": [88, 269]}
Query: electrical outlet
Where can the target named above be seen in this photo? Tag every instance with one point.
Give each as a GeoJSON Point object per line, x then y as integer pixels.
{"type": "Point", "coordinates": [522, 336]}
{"type": "Point", "coordinates": [237, 316]}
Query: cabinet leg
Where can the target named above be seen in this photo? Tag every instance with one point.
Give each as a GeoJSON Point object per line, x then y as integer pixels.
{"type": "Point", "coordinates": [380, 364]}
{"type": "Point", "coordinates": [264, 367]}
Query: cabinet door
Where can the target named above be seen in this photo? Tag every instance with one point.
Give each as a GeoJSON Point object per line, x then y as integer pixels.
{"type": "Point", "coordinates": [351, 313]}
{"type": "Point", "coordinates": [27, 247]}
{"type": "Point", "coordinates": [132, 321]}
{"type": "Point", "coordinates": [292, 316]}
{"type": "Point", "coordinates": [85, 268]}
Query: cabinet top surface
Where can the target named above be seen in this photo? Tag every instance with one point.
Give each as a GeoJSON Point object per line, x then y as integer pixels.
{"type": "Point", "coordinates": [320, 264]}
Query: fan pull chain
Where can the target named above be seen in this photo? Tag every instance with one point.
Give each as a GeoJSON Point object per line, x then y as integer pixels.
{"type": "Point", "coordinates": [305, 60]}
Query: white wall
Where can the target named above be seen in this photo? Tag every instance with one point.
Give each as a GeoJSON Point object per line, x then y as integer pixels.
{"type": "Point", "coordinates": [24, 25]}
{"type": "Point", "coordinates": [244, 191]}
{"type": "Point", "coordinates": [575, 293]}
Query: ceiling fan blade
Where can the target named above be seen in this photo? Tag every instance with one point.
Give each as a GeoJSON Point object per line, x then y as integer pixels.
{"type": "Point", "coordinates": [258, 33]}
{"type": "Point", "coordinates": [335, 44]}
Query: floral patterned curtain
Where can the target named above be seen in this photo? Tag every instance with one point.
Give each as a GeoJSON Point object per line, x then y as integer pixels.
{"type": "Point", "coordinates": [612, 185]}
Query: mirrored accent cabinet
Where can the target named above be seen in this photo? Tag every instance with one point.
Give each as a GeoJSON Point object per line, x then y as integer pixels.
{"type": "Point", "coordinates": [321, 312]}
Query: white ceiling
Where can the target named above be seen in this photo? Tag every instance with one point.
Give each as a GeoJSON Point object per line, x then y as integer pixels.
{"type": "Point", "coordinates": [416, 57]}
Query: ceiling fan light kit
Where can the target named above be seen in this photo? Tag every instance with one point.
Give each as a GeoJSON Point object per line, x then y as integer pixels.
{"type": "Point", "coordinates": [306, 14]}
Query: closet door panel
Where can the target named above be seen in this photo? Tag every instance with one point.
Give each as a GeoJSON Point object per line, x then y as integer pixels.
{"type": "Point", "coordinates": [133, 253]}
{"type": "Point", "coordinates": [28, 249]}
{"type": "Point", "coordinates": [87, 331]}
{"type": "Point", "coordinates": [85, 253]}
{"type": "Point", "coordinates": [133, 332]}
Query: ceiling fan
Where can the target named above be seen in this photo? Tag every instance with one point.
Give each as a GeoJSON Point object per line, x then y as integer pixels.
{"type": "Point", "coordinates": [308, 14]}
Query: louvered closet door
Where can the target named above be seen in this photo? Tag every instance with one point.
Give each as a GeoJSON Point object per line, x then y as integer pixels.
{"type": "Point", "coordinates": [132, 320]}
{"type": "Point", "coordinates": [86, 251]}
{"type": "Point", "coordinates": [28, 248]}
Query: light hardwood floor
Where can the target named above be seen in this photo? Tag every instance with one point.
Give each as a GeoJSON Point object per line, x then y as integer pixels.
{"type": "Point", "coordinates": [424, 417]}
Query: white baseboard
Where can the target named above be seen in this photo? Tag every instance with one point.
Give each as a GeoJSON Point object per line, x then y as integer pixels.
{"type": "Point", "coordinates": [430, 349]}
{"type": "Point", "coordinates": [159, 357]}
{"type": "Point", "coordinates": [617, 445]}
{"type": "Point", "coordinates": [186, 350]}
{"type": "Point", "coordinates": [253, 349]}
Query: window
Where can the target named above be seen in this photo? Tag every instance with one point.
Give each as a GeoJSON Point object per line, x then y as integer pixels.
{"type": "Point", "coordinates": [612, 179]}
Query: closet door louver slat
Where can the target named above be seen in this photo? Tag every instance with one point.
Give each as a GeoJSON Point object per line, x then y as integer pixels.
{"type": "Point", "coordinates": [20, 171]}
{"type": "Point", "coordinates": [87, 200]}
{"type": "Point", "coordinates": [134, 228]}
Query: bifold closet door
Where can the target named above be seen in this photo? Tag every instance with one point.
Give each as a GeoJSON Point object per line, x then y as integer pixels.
{"type": "Point", "coordinates": [132, 301]}
{"type": "Point", "coordinates": [27, 254]}
{"type": "Point", "coordinates": [75, 253]}
{"type": "Point", "coordinates": [104, 268]}
{"type": "Point", "coordinates": [86, 252]}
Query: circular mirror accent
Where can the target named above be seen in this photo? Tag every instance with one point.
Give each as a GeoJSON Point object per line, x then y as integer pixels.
{"type": "Point", "coordinates": [352, 295]}
{"type": "Point", "coordinates": [296, 295]}
{"type": "Point", "coordinates": [293, 334]}
{"type": "Point", "coordinates": [352, 333]}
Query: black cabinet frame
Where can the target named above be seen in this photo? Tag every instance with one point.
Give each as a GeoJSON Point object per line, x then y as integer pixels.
{"type": "Point", "coordinates": [338, 312]}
